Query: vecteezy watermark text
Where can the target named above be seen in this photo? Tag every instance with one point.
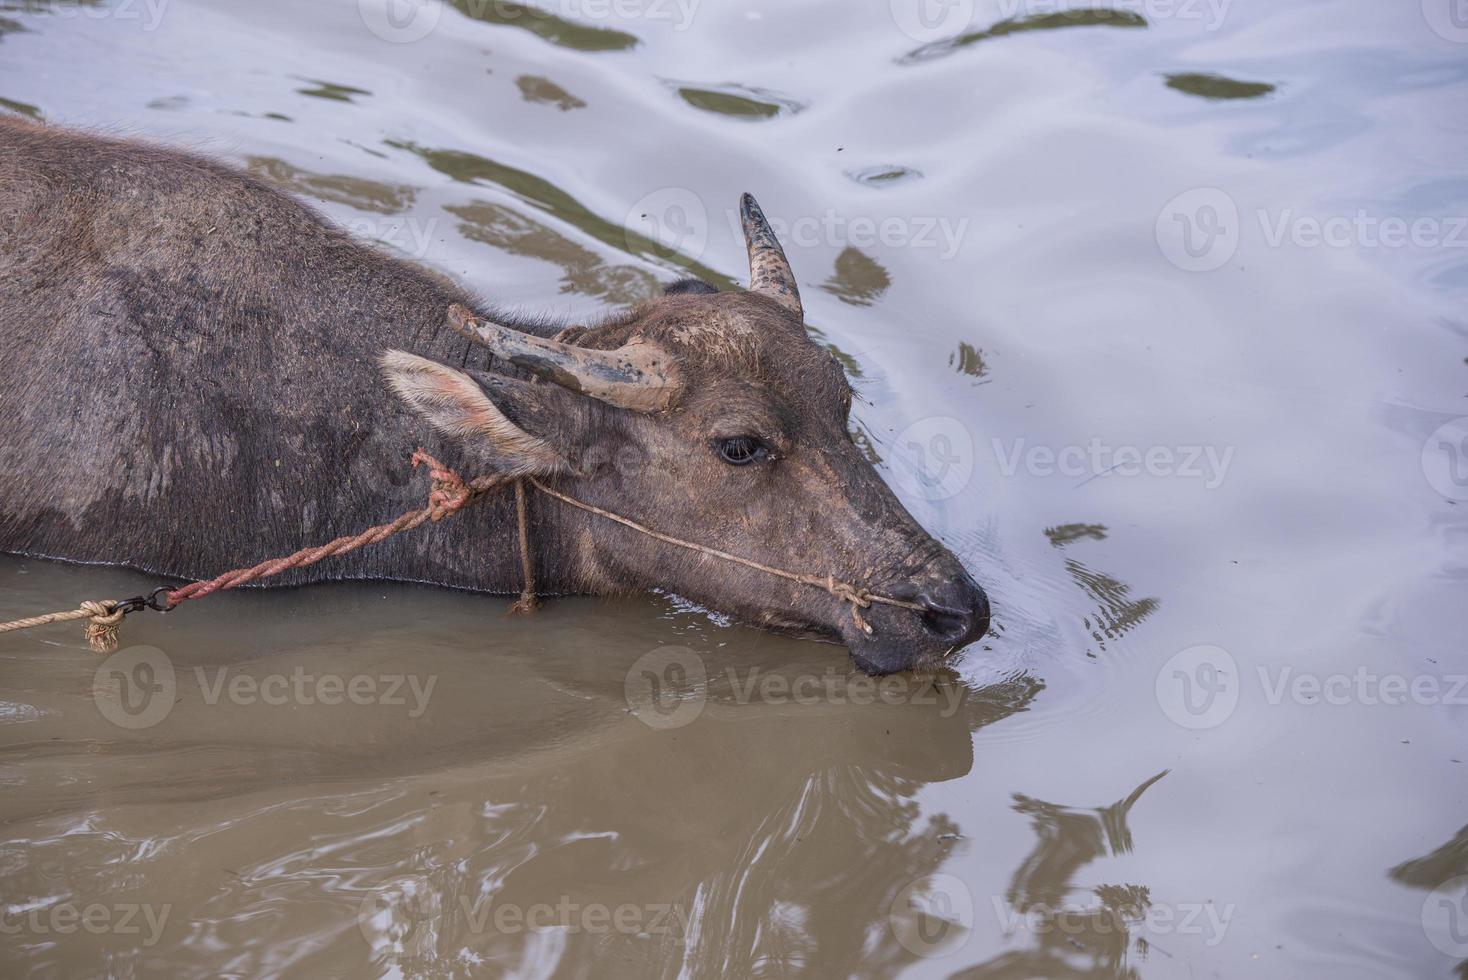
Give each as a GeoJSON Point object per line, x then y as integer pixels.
{"type": "Point", "coordinates": [303, 688]}
{"type": "Point", "coordinates": [669, 687]}
{"type": "Point", "coordinates": [1448, 19]}
{"type": "Point", "coordinates": [136, 688]}
{"type": "Point", "coordinates": [1445, 917]}
{"type": "Point", "coordinates": [146, 14]}
{"type": "Point", "coordinates": [1203, 919]}
{"type": "Point", "coordinates": [96, 918]}
{"type": "Point", "coordinates": [936, 457]}
{"type": "Point", "coordinates": [678, 220]}
{"type": "Point", "coordinates": [942, 234]}
{"type": "Point", "coordinates": [401, 916]}
{"type": "Point", "coordinates": [1445, 459]}
{"type": "Point", "coordinates": [1207, 463]}
{"type": "Point", "coordinates": [1201, 687]}
{"type": "Point", "coordinates": [933, 916]}
{"type": "Point", "coordinates": [409, 236]}
{"type": "Point", "coordinates": [1201, 230]}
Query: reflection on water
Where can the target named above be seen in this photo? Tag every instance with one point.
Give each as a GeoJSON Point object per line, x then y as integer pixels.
{"type": "Point", "coordinates": [337, 839]}
{"type": "Point", "coordinates": [781, 905]}
{"type": "Point", "coordinates": [1116, 611]}
{"type": "Point", "coordinates": [1073, 938]}
{"type": "Point", "coordinates": [1067, 533]}
{"type": "Point", "coordinates": [865, 443]}
{"type": "Point", "coordinates": [883, 175]}
{"type": "Point", "coordinates": [1431, 870]}
{"type": "Point", "coordinates": [738, 101]}
{"type": "Point", "coordinates": [331, 91]}
{"type": "Point", "coordinates": [859, 279]}
{"type": "Point", "coordinates": [23, 108]}
{"type": "Point", "coordinates": [546, 26]}
{"type": "Point", "coordinates": [1450, 915]}
{"type": "Point", "coordinates": [1217, 87]}
{"type": "Point", "coordinates": [44, 7]}
{"type": "Point", "coordinates": [585, 271]}
{"type": "Point", "coordinates": [541, 193]}
{"type": "Point", "coordinates": [1084, 17]}
{"type": "Point", "coordinates": [169, 103]}
{"type": "Point", "coordinates": [969, 360]}
{"type": "Point", "coordinates": [542, 90]}
{"type": "Point", "coordinates": [1069, 839]}
{"type": "Point", "coordinates": [356, 192]}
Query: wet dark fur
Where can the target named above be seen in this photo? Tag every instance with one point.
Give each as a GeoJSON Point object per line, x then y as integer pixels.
{"type": "Point", "coordinates": [190, 379]}
{"type": "Point", "coordinates": [190, 383]}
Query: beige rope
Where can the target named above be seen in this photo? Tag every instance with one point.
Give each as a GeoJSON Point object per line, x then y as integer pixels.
{"type": "Point", "coordinates": [859, 598]}
{"type": "Point", "coordinates": [528, 601]}
{"type": "Point", "coordinates": [104, 618]}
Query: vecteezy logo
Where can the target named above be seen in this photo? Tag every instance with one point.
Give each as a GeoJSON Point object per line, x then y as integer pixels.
{"type": "Point", "coordinates": [1445, 917]}
{"type": "Point", "coordinates": [674, 217]}
{"type": "Point", "coordinates": [1199, 687]}
{"type": "Point", "coordinates": [1445, 459]}
{"type": "Point", "coordinates": [667, 688]}
{"type": "Point", "coordinates": [135, 688]}
{"type": "Point", "coordinates": [398, 917]}
{"type": "Point", "coordinates": [400, 21]}
{"type": "Point", "coordinates": [926, 21]}
{"type": "Point", "coordinates": [1198, 231]}
{"type": "Point", "coordinates": [934, 458]}
{"type": "Point", "coordinates": [932, 916]}
{"type": "Point", "coordinates": [1447, 18]}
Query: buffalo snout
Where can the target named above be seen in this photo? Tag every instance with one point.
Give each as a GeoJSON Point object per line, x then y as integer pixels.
{"type": "Point", "coordinates": [958, 610]}
{"type": "Point", "coordinates": [955, 614]}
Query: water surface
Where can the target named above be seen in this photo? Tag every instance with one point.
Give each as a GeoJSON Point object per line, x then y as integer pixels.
{"type": "Point", "coordinates": [1155, 312]}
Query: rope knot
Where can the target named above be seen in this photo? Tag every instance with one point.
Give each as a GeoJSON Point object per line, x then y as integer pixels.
{"type": "Point", "coordinates": [860, 598]}
{"type": "Point", "coordinates": [102, 627]}
{"type": "Point", "coordinates": [449, 494]}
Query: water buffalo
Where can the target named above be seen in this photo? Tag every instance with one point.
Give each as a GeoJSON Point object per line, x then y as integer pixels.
{"type": "Point", "coordinates": [200, 372]}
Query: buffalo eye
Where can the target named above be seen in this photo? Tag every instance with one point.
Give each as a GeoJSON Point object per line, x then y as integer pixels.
{"type": "Point", "coordinates": [741, 450]}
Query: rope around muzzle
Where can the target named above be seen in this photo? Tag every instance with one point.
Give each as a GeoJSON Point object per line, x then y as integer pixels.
{"type": "Point", "coordinates": [860, 598]}
{"type": "Point", "coordinates": [450, 494]}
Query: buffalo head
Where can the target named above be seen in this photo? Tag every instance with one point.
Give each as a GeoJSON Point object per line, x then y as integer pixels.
{"type": "Point", "coordinates": [713, 417]}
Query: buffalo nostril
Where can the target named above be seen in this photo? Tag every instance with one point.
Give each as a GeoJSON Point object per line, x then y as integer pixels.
{"type": "Point", "coordinates": [945, 621]}
{"type": "Point", "coordinates": [957, 612]}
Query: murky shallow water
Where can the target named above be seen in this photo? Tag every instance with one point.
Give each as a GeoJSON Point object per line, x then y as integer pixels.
{"type": "Point", "coordinates": [1228, 237]}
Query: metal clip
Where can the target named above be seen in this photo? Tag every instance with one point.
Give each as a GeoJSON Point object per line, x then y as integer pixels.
{"type": "Point", "coordinates": [149, 601]}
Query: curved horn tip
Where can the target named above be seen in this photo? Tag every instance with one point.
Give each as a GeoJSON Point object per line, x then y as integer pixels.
{"type": "Point", "coordinates": [757, 230]}
{"type": "Point", "coordinates": [769, 270]}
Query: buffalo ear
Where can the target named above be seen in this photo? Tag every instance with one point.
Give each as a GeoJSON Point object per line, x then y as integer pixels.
{"type": "Point", "coordinates": [470, 411]}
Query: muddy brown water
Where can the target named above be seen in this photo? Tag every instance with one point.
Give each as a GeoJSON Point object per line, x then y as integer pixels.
{"type": "Point", "coordinates": [1156, 315]}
